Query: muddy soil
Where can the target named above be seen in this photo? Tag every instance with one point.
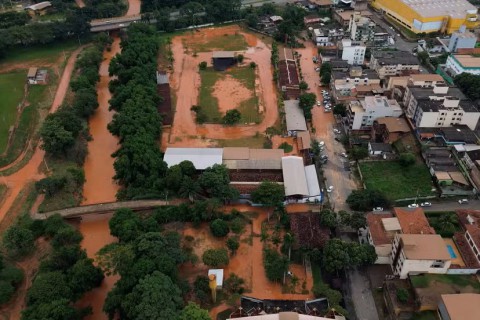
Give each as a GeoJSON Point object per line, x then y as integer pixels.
{"type": "Point", "coordinates": [185, 82]}
{"type": "Point", "coordinates": [230, 93]}
{"type": "Point", "coordinates": [100, 186]}
{"type": "Point", "coordinates": [278, 140]}
{"type": "Point", "coordinates": [133, 7]}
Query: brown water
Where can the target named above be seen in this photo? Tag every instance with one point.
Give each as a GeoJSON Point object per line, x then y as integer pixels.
{"type": "Point", "coordinates": [100, 186]}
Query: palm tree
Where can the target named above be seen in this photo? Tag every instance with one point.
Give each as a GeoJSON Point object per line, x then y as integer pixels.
{"type": "Point", "coordinates": [288, 241]}
{"type": "Point", "coordinates": [189, 189]}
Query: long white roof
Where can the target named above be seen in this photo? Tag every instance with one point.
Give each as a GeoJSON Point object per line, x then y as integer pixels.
{"type": "Point", "coordinates": [201, 158]}
{"type": "Point", "coordinates": [294, 179]}
{"type": "Point", "coordinates": [312, 181]}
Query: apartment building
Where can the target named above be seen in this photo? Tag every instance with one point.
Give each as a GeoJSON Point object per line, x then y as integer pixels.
{"type": "Point", "coordinates": [459, 63]}
{"type": "Point", "coordinates": [353, 51]}
{"type": "Point", "coordinates": [425, 16]}
{"type": "Point", "coordinates": [419, 253]}
{"type": "Point", "coordinates": [345, 84]}
{"type": "Point", "coordinates": [439, 106]}
{"type": "Point", "coordinates": [421, 79]}
{"type": "Point", "coordinates": [462, 40]}
{"type": "Point", "coordinates": [460, 306]}
{"type": "Point", "coordinates": [361, 28]}
{"type": "Point", "coordinates": [393, 63]}
{"type": "Point", "coordinates": [361, 114]}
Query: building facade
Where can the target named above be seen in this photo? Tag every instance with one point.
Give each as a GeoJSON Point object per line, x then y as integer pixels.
{"type": "Point", "coordinates": [362, 114]}
{"type": "Point", "coordinates": [457, 64]}
{"type": "Point", "coordinates": [353, 51]}
{"type": "Point", "coordinates": [361, 28]}
{"type": "Point", "coordinates": [462, 40]}
{"type": "Point", "coordinates": [393, 63]}
{"type": "Point", "coordinates": [344, 84]}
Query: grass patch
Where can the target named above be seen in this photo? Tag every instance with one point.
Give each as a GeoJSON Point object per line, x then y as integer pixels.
{"type": "Point", "coordinates": [397, 181]}
{"type": "Point", "coordinates": [462, 281]}
{"type": "Point", "coordinates": [3, 190]}
{"type": "Point", "coordinates": [226, 42]}
{"type": "Point", "coordinates": [316, 274]}
{"type": "Point", "coordinates": [11, 93]}
{"type": "Point", "coordinates": [48, 53]}
{"type": "Point", "coordinates": [209, 104]}
{"type": "Point", "coordinates": [252, 142]}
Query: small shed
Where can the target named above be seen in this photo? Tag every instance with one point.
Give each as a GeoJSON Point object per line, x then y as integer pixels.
{"type": "Point", "coordinates": [378, 149]}
{"type": "Point", "coordinates": [36, 76]}
{"type": "Point", "coordinates": [275, 19]}
{"type": "Point", "coordinates": [31, 75]}
{"type": "Point", "coordinates": [223, 60]}
{"type": "Point", "coordinates": [38, 9]}
{"type": "Point", "coordinates": [218, 273]}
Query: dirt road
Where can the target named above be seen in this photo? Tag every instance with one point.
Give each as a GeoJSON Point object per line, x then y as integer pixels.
{"type": "Point", "coordinates": [29, 172]}
{"type": "Point", "coordinates": [185, 81]}
{"type": "Point", "coordinates": [134, 7]}
{"type": "Point", "coordinates": [100, 186]}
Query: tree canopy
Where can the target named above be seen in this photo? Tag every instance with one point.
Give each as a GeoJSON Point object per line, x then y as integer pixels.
{"type": "Point", "coordinates": [339, 255]}
{"type": "Point", "coordinates": [269, 193]}
{"type": "Point", "coordinates": [367, 199]}
{"type": "Point", "coordinates": [306, 102]}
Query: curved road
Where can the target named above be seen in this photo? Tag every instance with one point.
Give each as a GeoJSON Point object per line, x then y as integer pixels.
{"type": "Point", "coordinates": [16, 181]}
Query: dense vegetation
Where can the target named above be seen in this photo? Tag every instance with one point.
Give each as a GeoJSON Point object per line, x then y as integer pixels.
{"type": "Point", "coordinates": [469, 84]}
{"type": "Point", "coordinates": [63, 276]}
{"type": "Point", "coordinates": [10, 278]}
{"type": "Point", "coordinates": [147, 261]}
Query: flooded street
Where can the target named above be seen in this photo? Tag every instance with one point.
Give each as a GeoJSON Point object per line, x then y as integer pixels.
{"type": "Point", "coordinates": [100, 186]}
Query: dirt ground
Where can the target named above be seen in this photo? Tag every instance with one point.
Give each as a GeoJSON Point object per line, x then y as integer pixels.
{"type": "Point", "coordinates": [278, 140]}
{"type": "Point", "coordinates": [133, 7]}
{"type": "Point", "coordinates": [230, 93]}
{"type": "Point", "coordinates": [100, 186]}
{"type": "Point", "coordinates": [185, 82]}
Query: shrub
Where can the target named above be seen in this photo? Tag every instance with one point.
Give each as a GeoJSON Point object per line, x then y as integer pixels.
{"type": "Point", "coordinates": [286, 147]}
{"type": "Point", "coordinates": [240, 58]}
{"type": "Point", "coordinates": [402, 295]}
{"type": "Point", "coordinates": [233, 244]}
{"type": "Point", "coordinates": [253, 65]}
{"type": "Point", "coordinates": [219, 228]}
{"type": "Point", "coordinates": [407, 159]}
{"type": "Point", "coordinates": [202, 65]}
{"type": "Point", "coordinates": [215, 257]}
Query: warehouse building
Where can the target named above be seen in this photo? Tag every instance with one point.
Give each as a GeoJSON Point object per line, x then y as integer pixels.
{"type": "Point", "coordinates": [419, 16]}
{"type": "Point", "coordinates": [300, 181]}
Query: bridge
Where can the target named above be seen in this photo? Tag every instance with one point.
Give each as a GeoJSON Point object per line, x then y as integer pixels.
{"type": "Point", "coordinates": [76, 212]}
{"type": "Point", "coordinates": [99, 25]}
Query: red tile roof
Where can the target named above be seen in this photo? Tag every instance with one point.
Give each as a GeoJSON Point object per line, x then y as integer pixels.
{"type": "Point", "coordinates": [413, 221]}
{"type": "Point", "coordinates": [377, 231]}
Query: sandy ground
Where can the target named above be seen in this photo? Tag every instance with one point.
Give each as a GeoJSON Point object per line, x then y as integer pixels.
{"type": "Point", "coordinates": [100, 186]}
{"type": "Point", "coordinates": [29, 172]}
{"type": "Point", "coordinates": [230, 93]}
{"type": "Point", "coordinates": [80, 3]}
{"type": "Point", "coordinates": [96, 234]}
{"type": "Point", "coordinates": [185, 82]}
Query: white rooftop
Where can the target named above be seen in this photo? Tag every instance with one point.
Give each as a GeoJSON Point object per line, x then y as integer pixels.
{"type": "Point", "coordinates": [294, 179]}
{"type": "Point", "coordinates": [312, 181]}
{"type": "Point", "coordinates": [391, 224]}
{"type": "Point", "coordinates": [434, 8]}
{"type": "Point", "coordinates": [201, 158]}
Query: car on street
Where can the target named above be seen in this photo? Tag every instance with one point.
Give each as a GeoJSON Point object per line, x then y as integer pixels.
{"type": "Point", "coordinates": [321, 143]}
{"type": "Point", "coordinates": [317, 69]}
{"type": "Point", "coordinates": [378, 209]}
{"type": "Point", "coordinates": [463, 201]}
{"type": "Point", "coordinates": [323, 156]}
{"type": "Point", "coordinates": [327, 110]}
{"type": "Point", "coordinates": [324, 91]}
{"type": "Point", "coordinates": [413, 206]}
{"type": "Point", "coordinates": [319, 103]}
{"type": "Point", "coordinates": [330, 189]}
{"type": "Point", "coordinates": [336, 131]}
{"type": "Point", "coordinates": [425, 204]}
{"type": "Point", "coordinates": [343, 154]}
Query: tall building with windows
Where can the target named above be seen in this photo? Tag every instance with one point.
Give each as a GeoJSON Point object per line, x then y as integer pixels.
{"type": "Point", "coordinates": [361, 28]}
{"type": "Point", "coordinates": [353, 51]}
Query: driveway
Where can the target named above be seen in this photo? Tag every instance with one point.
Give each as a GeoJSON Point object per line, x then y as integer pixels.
{"type": "Point", "coordinates": [334, 171]}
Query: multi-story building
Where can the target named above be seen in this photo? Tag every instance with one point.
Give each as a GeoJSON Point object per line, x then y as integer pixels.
{"type": "Point", "coordinates": [353, 51]}
{"type": "Point", "coordinates": [470, 222]}
{"type": "Point", "coordinates": [458, 64]}
{"type": "Point", "coordinates": [460, 306]}
{"type": "Point", "coordinates": [327, 37]}
{"type": "Point", "coordinates": [344, 84]}
{"type": "Point", "coordinates": [361, 114]}
{"type": "Point", "coordinates": [361, 28]}
{"type": "Point", "coordinates": [439, 106]}
{"type": "Point", "coordinates": [393, 63]}
{"type": "Point", "coordinates": [446, 16]}
{"type": "Point", "coordinates": [421, 79]}
{"type": "Point", "coordinates": [462, 40]}
{"type": "Point", "coordinates": [419, 253]}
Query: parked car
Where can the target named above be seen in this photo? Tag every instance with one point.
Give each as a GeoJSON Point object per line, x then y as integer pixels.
{"type": "Point", "coordinates": [327, 110]}
{"type": "Point", "coordinates": [343, 154]}
{"type": "Point", "coordinates": [413, 205]}
{"type": "Point", "coordinates": [321, 143]}
{"type": "Point", "coordinates": [330, 189]}
{"type": "Point", "coordinates": [378, 209]}
{"type": "Point", "coordinates": [324, 91]}
{"type": "Point", "coordinates": [317, 69]}
{"type": "Point", "coordinates": [335, 130]}
{"type": "Point", "coordinates": [425, 204]}
{"type": "Point", "coordinates": [319, 103]}
{"type": "Point", "coordinates": [463, 201]}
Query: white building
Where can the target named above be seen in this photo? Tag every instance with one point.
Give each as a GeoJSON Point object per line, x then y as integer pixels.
{"type": "Point", "coordinates": [361, 114]}
{"type": "Point", "coordinates": [321, 39]}
{"type": "Point", "coordinates": [439, 106]}
{"type": "Point", "coordinates": [457, 64]}
{"type": "Point", "coordinates": [353, 51]}
{"type": "Point", "coordinates": [361, 28]}
{"type": "Point", "coordinates": [393, 63]}
{"type": "Point", "coordinates": [462, 40]}
{"type": "Point", "coordinates": [414, 254]}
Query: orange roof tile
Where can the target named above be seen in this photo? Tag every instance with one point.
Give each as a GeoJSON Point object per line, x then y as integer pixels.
{"type": "Point", "coordinates": [377, 231]}
{"type": "Point", "coordinates": [413, 221]}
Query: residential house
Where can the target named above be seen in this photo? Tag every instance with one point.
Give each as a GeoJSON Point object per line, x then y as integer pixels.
{"type": "Point", "coordinates": [468, 241]}
{"type": "Point", "coordinates": [339, 65]}
{"type": "Point", "coordinates": [343, 17]}
{"type": "Point", "coordinates": [321, 38]}
{"type": "Point", "coordinates": [328, 53]}
{"type": "Point", "coordinates": [470, 157]}
{"type": "Point", "coordinates": [352, 51]}
{"type": "Point", "coordinates": [381, 229]}
{"type": "Point", "coordinates": [457, 64]}
{"type": "Point", "coordinates": [361, 114]}
{"type": "Point", "coordinates": [413, 221]}
{"type": "Point", "coordinates": [361, 28]}
{"type": "Point", "coordinates": [294, 117]}
{"type": "Point", "coordinates": [322, 4]}
{"type": "Point", "coordinates": [344, 85]}
{"type": "Point", "coordinates": [420, 79]}
{"type": "Point", "coordinates": [463, 306]}
{"type": "Point", "coordinates": [379, 149]}
{"type": "Point", "coordinates": [393, 63]}
{"type": "Point", "coordinates": [359, 5]}
{"type": "Point", "coordinates": [448, 136]}
{"type": "Point", "coordinates": [311, 19]}
{"type": "Point", "coordinates": [439, 106]}
{"type": "Point", "coordinates": [39, 9]}
{"type": "Point", "coordinates": [389, 129]}
{"type": "Point", "coordinates": [419, 253]}
{"type": "Point", "coordinates": [36, 76]}
{"type": "Point", "coordinates": [433, 47]}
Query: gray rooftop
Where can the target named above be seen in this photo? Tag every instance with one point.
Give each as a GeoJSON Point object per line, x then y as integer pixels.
{"type": "Point", "coordinates": [384, 147]}
{"type": "Point", "coordinates": [423, 93]}
{"type": "Point", "coordinates": [294, 116]}
{"type": "Point", "coordinates": [294, 178]}
{"type": "Point", "coordinates": [395, 57]}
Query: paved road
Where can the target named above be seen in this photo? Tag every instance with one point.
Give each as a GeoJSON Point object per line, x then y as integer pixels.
{"type": "Point", "coordinates": [453, 205]}
{"type": "Point", "coordinates": [361, 294]}
{"type": "Point", "coordinates": [400, 43]}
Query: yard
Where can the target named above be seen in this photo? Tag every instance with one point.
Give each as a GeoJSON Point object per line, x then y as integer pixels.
{"type": "Point", "coordinates": [258, 141]}
{"type": "Point", "coordinates": [11, 93]}
{"type": "Point", "coordinates": [221, 40]}
{"type": "Point", "coordinates": [397, 181]}
{"type": "Point", "coordinates": [457, 282]}
{"type": "Point", "coordinates": [231, 89]}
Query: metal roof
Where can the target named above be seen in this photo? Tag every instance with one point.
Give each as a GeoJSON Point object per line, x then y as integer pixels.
{"type": "Point", "coordinates": [39, 6]}
{"type": "Point", "coordinates": [32, 72]}
{"type": "Point", "coordinates": [201, 158]}
{"type": "Point", "coordinates": [223, 54]}
{"type": "Point", "coordinates": [294, 116]}
{"type": "Point", "coordinates": [294, 179]}
{"type": "Point", "coordinates": [255, 159]}
{"type": "Point", "coordinates": [312, 181]}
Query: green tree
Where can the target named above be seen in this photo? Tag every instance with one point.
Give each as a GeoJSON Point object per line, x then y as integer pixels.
{"type": "Point", "coordinates": [340, 109]}
{"type": "Point", "coordinates": [269, 194]}
{"type": "Point", "coordinates": [202, 66]}
{"type": "Point", "coordinates": [328, 218]}
{"type": "Point", "coordinates": [252, 20]}
{"type": "Point", "coordinates": [83, 277]}
{"type": "Point", "coordinates": [423, 57]}
{"type": "Point", "coordinates": [445, 224]}
{"type": "Point", "coordinates": [125, 225]}
{"type": "Point", "coordinates": [215, 181]}
{"type": "Point", "coordinates": [18, 241]}
{"type": "Point", "coordinates": [233, 244]}
{"type": "Point", "coordinates": [191, 11]}
{"type": "Point", "coordinates": [215, 257]}
{"type": "Point", "coordinates": [47, 287]}
{"type": "Point", "coordinates": [154, 297]}
{"type": "Point", "coordinates": [407, 159]}
{"type": "Point", "coordinates": [189, 188]}
{"type": "Point", "coordinates": [469, 84]}
{"type": "Point", "coordinates": [358, 153]}
{"type": "Point", "coordinates": [402, 295]}
{"type": "Point", "coordinates": [303, 85]}
{"type": "Point", "coordinates": [306, 103]}
{"type": "Point", "coordinates": [193, 312]}
{"type": "Point", "coordinates": [253, 65]}
{"type": "Point", "coordinates": [365, 200]}
{"type": "Point", "coordinates": [271, 131]}
{"type": "Point", "coordinates": [335, 255]}
{"type": "Point", "coordinates": [56, 139]}
{"type": "Point", "coordinates": [287, 148]}
{"type": "Point", "coordinates": [275, 264]}
{"type": "Point", "coordinates": [232, 117]}
{"type": "Point", "coordinates": [219, 228]}
{"type": "Point", "coordinates": [240, 58]}
{"type": "Point", "coordinates": [59, 309]}
{"type": "Point", "coordinates": [326, 78]}
{"type": "Point", "coordinates": [355, 220]}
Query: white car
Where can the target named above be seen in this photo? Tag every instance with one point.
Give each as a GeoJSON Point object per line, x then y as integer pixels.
{"type": "Point", "coordinates": [413, 206]}
{"type": "Point", "coordinates": [378, 209]}
{"type": "Point", "coordinates": [336, 131]}
{"type": "Point", "coordinates": [321, 143]}
{"type": "Point", "coordinates": [319, 103]}
{"type": "Point", "coordinates": [343, 154]}
{"type": "Point", "coordinates": [462, 201]}
{"type": "Point", "coordinates": [324, 91]}
{"type": "Point", "coordinates": [425, 204]}
{"type": "Point", "coordinates": [330, 189]}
